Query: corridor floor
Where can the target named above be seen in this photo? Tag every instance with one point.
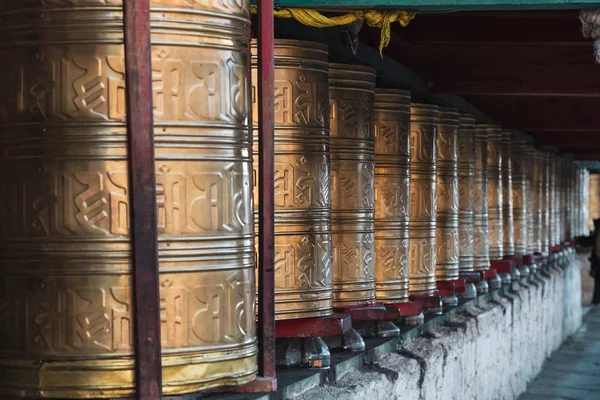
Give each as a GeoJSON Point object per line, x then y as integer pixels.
{"type": "Point", "coordinates": [573, 371]}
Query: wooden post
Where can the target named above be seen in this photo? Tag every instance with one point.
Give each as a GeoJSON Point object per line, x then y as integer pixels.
{"type": "Point", "coordinates": [142, 184]}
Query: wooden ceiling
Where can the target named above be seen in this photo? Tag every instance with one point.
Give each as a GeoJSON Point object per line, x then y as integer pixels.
{"type": "Point", "coordinates": [528, 70]}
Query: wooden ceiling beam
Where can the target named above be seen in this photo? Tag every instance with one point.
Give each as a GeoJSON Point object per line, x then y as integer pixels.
{"type": "Point", "coordinates": [516, 80]}
{"type": "Point", "coordinates": [563, 114]}
{"type": "Point", "coordinates": [464, 28]}
{"type": "Point", "coordinates": [580, 140]}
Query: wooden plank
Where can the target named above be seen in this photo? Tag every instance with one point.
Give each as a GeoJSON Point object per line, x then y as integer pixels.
{"type": "Point", "coordinates": [518, 80]}
{"type": "Point", "coordinates": [531, 113]}
{"type": "Point", "coordinates": [142, 184]}
{"type": "Point", "coordinates": [443, 4]}
{"type": "Point", "coordinates": [559, 27]}
{"type": "Point", "coordinates": [266, 203]}
{"type": "Point", "coordinates": [572, 139]}
{"type": "Point", "coordinates": [426, 56]}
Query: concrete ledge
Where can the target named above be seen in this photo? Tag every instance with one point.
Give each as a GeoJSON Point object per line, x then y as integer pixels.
{"type": "Point", "coordinates": [490, 351]}
{"type": "Point", "coordinates": [487, 348]}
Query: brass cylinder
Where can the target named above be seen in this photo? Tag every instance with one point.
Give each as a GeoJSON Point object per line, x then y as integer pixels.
{"type": "Point", "coordinates": [519, 194]}
{"type": "Point", "coordinates": [594, 199]}
{"type": "Point", "coordinates": [481, 248]}
{"type": "Point", "coordinates": [423, 198]}
{"type": "Point", "coordinates": [447, 242]}
{"type": "Point", "coordinates": [495, 198]}
{"type": "Point", "coordinates": [466, 190]}
{"type": "Point", "coordinates": [564, 189]}
{"type": "Point", "coordinates": [351, 98]}
{"type": "Point", "coordinates": [529, 164]}
{"type": "Point", "coordinates": [303, 277]}
{"type": "Point", "coordinates": [572, 200]}
{"type": "Point", "coordinates": [392, 191]}
{"type": "Point", "coordinates": [585, 215]}
{"type": "Point", "coordinates": [554, 200]}
{"type": "Point", "coordinates": [546, 211]}
{"type": "Point", "coordinates": [508, 228]}
{"type": "Point", "coordinates": [66, 276]}
{"type": "Point", "coordinates": [538, 201]}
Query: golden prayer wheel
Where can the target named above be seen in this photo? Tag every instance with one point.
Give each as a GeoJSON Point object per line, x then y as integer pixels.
{"type": "Point", "coordinates": [481, 248]}
{"type": "Point", "coordinates": [570, 205]}
{"type": "Point", "coordinates": [67, 286]}
{"type": "Point", "coordinates": [529, 164]}
{"type": "Point", "coordinates": [553, 201]}
{"type": "Point", "coordinates": [560, 184]}
{"type": "Point", "coordinates": [539, 201]}
{"type": "Point", "coordinates": [569, 197]}
{"type": "Point", "coordinates": [423, 198]}
{"type": "Point", "coordinates": [351, 99]}
{"type": "Point", "coordinates": [392, 191]}
{"type": "Point", "coordinates": [495, 198]}
{"type": "Point", "coordinates": [447, 236]}
{"type": "Point", "coordinates": [519, 194]}
{"type": "Point", "coordinates": [585, 217]}
{"type": "Point", "coordinates": [582, 222]}
{"type": "Point", "coordinates": [594, 199]}
{"type": "Point", "coordinates": [466, 190]}
{"type": "Point", "coordinates": [508, 228]}
{"type": "Point", "coordinates": [546, 211]}
{"type": "Point", "coordinates": [303, 276]}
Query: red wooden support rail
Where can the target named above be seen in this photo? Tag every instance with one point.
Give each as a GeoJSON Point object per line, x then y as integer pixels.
{"type": "Point", "coordinates": [266, 107]}
{"type": "Point", "coordinates": [142, 184]}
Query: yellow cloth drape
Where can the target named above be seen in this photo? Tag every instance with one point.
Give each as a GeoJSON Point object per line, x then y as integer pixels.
{"type": "Point", "coordinates": [374, 18]}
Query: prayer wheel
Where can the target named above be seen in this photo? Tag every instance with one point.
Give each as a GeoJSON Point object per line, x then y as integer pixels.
{"type": "Point", "coordinates": [554, 202]}
{"type": "Point", "coordinates": [539, 201]}
{"type": "Point", "coordinates": [594, 199]}
{"type": "Point", "coordinates": [447, 236]}
{"type": "Point", "coordinates": [529, 164]}
{"type": "Point", "coordinates": [481, 248]}
{"type": "Point", "coordinates": [519, 195]}
{"type": "Point", "coordinates": [303, 276]}
{"type": "Point", "coordinates": [66, 280]}
{"type": "Point", "coordinates": [495, 198]}
{"type": "Point", "coordinates": [423, 199]}
{"type": "Point", "coordinates": [585, 217]}
{"type": "Point", "coordinates": [566, 190]}
{"type": "Point", "coordinates": [392, 191]}
{"type": "Point", "coordinates": [508, 229]}
{"type": "Point", "coordinates": [351, 99]}
{"type": "Point", "coordinates": [570, 197]}
{"type": "Point", "coordinates": [578, 204]}
{"type": "Point", "coordinates": [466, 190]}
{"type": "Point", "coordinates": [546, 210]}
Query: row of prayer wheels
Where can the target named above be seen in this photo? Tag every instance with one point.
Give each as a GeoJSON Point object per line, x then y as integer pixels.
{"type": "Point", "coordinates": [376, 199]}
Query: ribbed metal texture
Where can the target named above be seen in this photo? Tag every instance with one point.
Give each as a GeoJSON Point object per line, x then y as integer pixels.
{"type": "Point", "coordinates": [447, 236]}
{"type": "Point", "coordinates": [66, 276]}
{"type": "Point", "coordinates": [423, 198]}
{"type": "Point", "coordinates": [495, 198]}
{"type": "Point", "coordinates": [508, 228]}
{"type": "Point", "coordinates": [351, 98]}
{"type": "Point", "coordinates": [303, 254]}
{"type": "Point", "coordinates": [392, 194]}
{"type": "Point", "coordinates": [481, 248]}
{"type": "Point", "coordinates": [466, 190]}
{"type": "Point", "coordinates": [519, 195]}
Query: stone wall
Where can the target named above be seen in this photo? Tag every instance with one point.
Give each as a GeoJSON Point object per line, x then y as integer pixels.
{"type": "Point", "coordinates": [488, 352]}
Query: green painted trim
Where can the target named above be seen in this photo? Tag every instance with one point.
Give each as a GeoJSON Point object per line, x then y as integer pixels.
{"type": "Point", "coordinates": [443, 5]}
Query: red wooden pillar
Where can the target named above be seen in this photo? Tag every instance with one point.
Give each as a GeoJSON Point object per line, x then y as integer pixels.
{"type": "Point", "coordinates": [266, 282]}
{"type": "Point", "coordinates": [142, 184]}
